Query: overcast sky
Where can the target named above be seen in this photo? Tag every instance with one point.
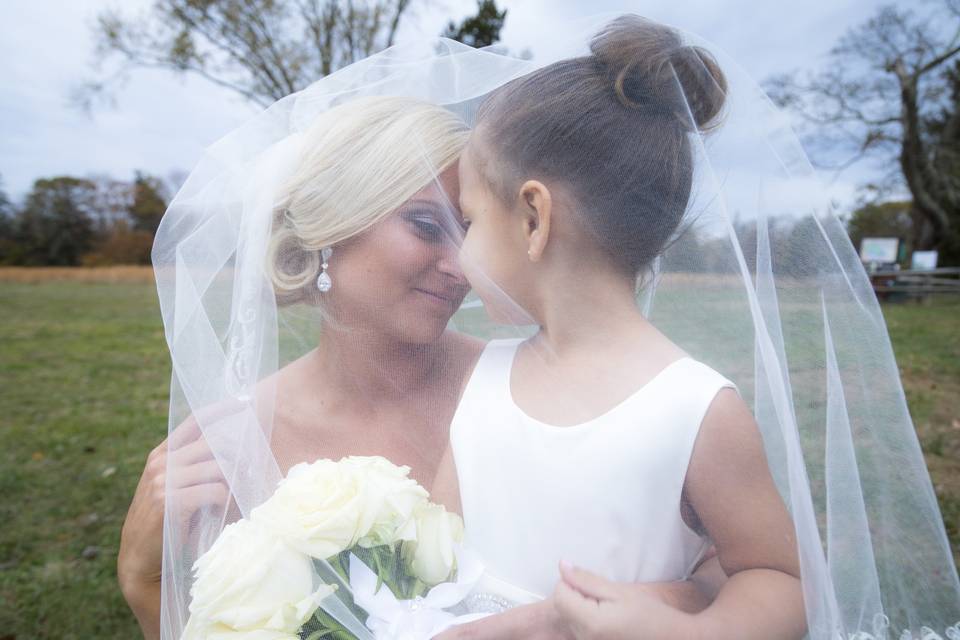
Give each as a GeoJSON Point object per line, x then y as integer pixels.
{"type": "Point", "coordinates": [161, 122]}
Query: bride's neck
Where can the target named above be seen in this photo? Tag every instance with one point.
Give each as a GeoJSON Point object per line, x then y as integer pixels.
{"type": "Point", "coordinates": [354, 360]}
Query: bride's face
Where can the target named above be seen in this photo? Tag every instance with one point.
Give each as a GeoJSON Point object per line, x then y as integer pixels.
{"type": "Point", "coordinates": [401, 277]}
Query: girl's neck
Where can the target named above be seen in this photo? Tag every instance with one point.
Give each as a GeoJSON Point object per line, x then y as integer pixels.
{"type": "Point", "coordinates": [579, 310]}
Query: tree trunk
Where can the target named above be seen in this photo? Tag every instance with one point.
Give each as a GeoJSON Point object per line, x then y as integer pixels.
{"type": "Point", "coordinates": [924, 237]}
{"type": "Point", "coordinates": [921, 177]}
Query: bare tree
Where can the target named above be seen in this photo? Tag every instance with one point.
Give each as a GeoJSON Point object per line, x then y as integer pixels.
{"type": "Point", "coordinates": [886, 81]}
{"type": "Point", "coordinates": [261, 49]}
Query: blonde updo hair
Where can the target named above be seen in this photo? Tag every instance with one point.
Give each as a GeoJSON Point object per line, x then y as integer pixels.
{"type": "Point", "coordinates": [361, 161]}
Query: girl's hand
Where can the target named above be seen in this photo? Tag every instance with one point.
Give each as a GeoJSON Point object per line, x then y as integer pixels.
{"type": "Point", "coordinates": [594, 608]}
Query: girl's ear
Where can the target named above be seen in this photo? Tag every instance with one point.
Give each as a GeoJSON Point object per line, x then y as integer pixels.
{"type": "Point", "coordinates": [536, 209]}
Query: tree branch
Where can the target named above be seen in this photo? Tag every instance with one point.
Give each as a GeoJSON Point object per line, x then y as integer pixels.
{"type": "Point", "coordinates": [936, 62]}
{"type": "Point", "coordinates": [262, 49]}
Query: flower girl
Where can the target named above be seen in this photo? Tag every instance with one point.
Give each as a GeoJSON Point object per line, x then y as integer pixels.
{"type": "Point", "coordinates": [598, 441]}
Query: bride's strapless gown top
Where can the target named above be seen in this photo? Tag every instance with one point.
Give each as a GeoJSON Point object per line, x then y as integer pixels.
{"type": "Point", "coordinates": [604, 495]}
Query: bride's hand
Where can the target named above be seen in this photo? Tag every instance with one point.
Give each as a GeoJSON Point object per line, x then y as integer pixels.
{"type": "Point", "coordinates": [594, 608]}
{"type": "Point", "coordinates": [537, 621]}
{"type": "Point", "coordinates": [197, 482]}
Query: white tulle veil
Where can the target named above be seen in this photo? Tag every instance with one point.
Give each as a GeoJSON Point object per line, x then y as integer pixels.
{"type": "Point", "coordinates": [759, 281]}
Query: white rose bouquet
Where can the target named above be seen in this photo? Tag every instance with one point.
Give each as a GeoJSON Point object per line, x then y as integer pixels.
{"type": "Point", "coordinates": [348, 550]}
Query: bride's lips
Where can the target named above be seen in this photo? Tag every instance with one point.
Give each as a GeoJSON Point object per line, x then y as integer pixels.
{"type": "Point", "coordinates": [449, 298]}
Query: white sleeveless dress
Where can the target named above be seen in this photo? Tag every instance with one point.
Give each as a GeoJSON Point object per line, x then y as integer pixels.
{"type": "Point", "coordinates": [604, 495]}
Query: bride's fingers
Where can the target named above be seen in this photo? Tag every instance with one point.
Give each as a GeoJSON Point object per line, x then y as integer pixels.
{"type": "Point", "coordinates": [190, 499]}
{"type": "Point", "coordinates": [185, 433]}
{"type": "Point", "coordinates": [196, 451]}
{"type": "Point", "coordinates": [198, 473]}
{"type": "Point", "coordinates": [189, 430]}
{"type": "Point", "coordinates": [589, 584]}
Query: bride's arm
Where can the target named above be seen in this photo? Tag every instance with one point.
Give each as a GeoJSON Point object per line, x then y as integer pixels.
{"type": "Point", "coordinates": [198, 483]}
{"type": "Point", "coordinates": [692, 595]}
{"type": "Point", "coordinates": [709, 578]}
{"type": "Point", "coordinates": [696, 593]}
{"type": "Point", "coordinates": [139, 561]}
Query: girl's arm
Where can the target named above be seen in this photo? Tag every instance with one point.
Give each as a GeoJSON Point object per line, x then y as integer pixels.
{"type": "Point", "coordinates": [730, 487]}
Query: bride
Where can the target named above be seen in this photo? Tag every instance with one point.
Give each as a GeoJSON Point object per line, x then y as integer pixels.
{"type": "Point", "coordinates": [284, 350]}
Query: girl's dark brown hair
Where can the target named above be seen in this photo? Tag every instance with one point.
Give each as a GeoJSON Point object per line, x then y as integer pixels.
{"type": "Point", "coordinates": [612, 127]}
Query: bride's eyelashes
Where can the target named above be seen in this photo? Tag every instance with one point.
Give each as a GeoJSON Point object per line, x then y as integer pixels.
{"type": "Point", "coordinates": [425, 224]}
{"type": "Point", "coordinates": [428, 229]}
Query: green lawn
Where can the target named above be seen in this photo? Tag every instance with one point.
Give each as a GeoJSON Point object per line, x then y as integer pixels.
{"type": "Point", "coordinates": [926, 339]}
{"type": "Point", "coordinates": [84, 376]}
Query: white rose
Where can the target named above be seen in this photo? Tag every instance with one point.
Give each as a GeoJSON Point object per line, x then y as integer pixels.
{"type": "Point", "coordinates": [431, 556]}
{"type": "Point", "coordinates": [325, 507]}
{"type": "Point", "coordinates": [392, 497]}
{"type": "Point", "coordinates": [316, 508]}
{"type": "Point", "coordinates": [251, 585]}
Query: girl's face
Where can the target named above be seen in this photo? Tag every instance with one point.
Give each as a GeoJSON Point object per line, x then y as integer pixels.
{"type": "Point", "coordinates": [400, 278]}
{"type": "Point", "coordinates": [493, 255]}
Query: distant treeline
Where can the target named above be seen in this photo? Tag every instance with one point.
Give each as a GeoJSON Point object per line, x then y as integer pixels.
{"type": "Point", "coordinates": [69, 221]}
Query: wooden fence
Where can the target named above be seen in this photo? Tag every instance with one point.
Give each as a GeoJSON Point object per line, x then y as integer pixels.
{"type": "Point", "coordinates": [909, 283]}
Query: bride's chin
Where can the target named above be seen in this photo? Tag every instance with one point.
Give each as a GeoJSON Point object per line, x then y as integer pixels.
{"type": "Point", "coordinates": [423, 330]}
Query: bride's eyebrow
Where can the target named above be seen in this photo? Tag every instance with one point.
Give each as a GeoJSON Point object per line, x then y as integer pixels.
{"type": "Point", "coordinates": [419, 209]}
{"type": "Point", "coordinates": [421, 202]}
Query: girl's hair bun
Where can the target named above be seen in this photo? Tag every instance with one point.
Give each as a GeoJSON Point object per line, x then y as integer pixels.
{"type": "Point", "coordinates": [652, 70]}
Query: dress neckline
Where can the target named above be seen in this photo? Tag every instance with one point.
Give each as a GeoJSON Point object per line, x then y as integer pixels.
{"type": "Point", "coordinates": [580, 426]}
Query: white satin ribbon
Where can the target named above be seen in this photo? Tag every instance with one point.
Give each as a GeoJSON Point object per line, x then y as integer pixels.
{"type": "Point", "coordinates": [420, 618]}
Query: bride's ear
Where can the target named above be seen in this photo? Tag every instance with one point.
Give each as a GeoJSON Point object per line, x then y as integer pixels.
{"type": "Point", "coordinates": [536, 210]}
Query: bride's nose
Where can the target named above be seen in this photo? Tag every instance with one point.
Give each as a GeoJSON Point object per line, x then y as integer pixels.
{"type": "Point", "coordinates": [449, 265]}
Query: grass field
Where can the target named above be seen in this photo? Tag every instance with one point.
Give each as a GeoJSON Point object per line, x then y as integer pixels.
{"type": "Point", "coordinates": [84, 376]}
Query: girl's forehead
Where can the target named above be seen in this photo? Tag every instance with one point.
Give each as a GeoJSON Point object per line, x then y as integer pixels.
{"type": "Point", "coordinates": [467, 166]}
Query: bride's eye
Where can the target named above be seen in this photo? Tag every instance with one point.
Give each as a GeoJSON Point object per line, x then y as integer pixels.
{"type": "Point", "coordinates": [427, 227]}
